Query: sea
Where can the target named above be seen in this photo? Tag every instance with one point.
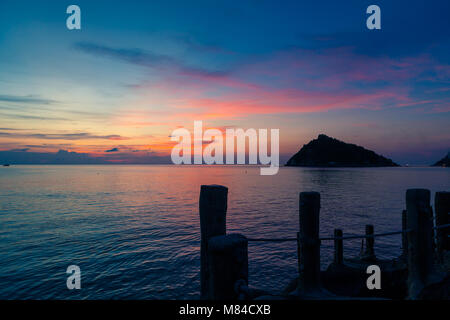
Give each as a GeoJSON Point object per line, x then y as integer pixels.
{"type": "Point", "coordinates": [134, 230]}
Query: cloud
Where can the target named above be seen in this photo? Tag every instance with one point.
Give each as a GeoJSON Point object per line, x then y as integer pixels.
{"type": "Point", "coordinates": [64, 136]}
{"type": "Point", "coordinates": [77, 136]}
{"type": "Point", "coordinates": [146, 59]}
{"type": "Point", "coordinates": [26, 99]}
{"type": "Point", "coordinates": [301, 80]}
{"type": "Point", "coordinates": [112, 150]}
{"type": "Point", "coordinates": [60, 157]}
{"type": "Point", "coordinates": [70, 157]}
{"type": "Point", "coordinates": [31, 117]}
{"type": "Point", "coordinates": [292, 80]}
{"type": "Point", "coordinates": [20, 150]}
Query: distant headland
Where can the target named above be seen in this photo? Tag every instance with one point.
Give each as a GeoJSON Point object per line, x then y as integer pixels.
{"type": "Point", "coordinates": [329, 152]}
{"type": "Point", "coordinates": [444, 162]}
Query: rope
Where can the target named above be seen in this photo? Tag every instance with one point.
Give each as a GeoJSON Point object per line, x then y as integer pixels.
{"type": "Point", "coordinates": [337, 238]}
{"type": "Point", "coordinates": [272, 240]}
{"type": "Point", "coordinates": [442, 226]}
{"type": "Point", "coordinates": [367, 235]}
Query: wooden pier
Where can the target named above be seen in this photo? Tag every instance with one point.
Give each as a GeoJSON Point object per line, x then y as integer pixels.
{"type": "Point", "coordinates": [421, 269]}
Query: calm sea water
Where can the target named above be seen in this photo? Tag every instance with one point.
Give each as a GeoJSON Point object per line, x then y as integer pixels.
{"type": "Point", "coordinates": [134, 230]}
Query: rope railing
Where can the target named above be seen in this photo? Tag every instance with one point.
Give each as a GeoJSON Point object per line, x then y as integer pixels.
{"type": "Point", "coordinates": [224, 257]}
{"type": "Point", "coordinates": [331, 238]}
{"type": "Point", "coordinates": [271, 240]}
{"type": "Point", "coordinates": [356, 236]}
{"type": "Point", "coordinates": [442, 226]}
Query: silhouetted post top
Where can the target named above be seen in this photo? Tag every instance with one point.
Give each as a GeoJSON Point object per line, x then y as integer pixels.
{"type": "Point", "coordinates": [225, 243]}
{"type": "Point", "coordinates": [211, 187]}
{"type": "Point", "coordinates": [213, 208]}
{"type": "Point", "coordinates": [309, 208]}
{"type": "Point", "coordinates": [419, 197]}
{"type": "Point", "coordinates": [310, 198]}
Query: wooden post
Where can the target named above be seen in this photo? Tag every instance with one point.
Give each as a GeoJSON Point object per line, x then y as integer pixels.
{"type": "Point", "coordinates": [338, 247]}
{"type": "Point", "coordinates": [309, 209]}
{"type": "Point", "coordinates": [420, 239]}
{"type": "Point", "coordinates": [442, 209]}
{"type": "Point", "coordinates": [370, 241]}
{"type": "Point", "coordinates": [228, 263]}
{"type": "Point", "coordinates": [404, 235]}
{"type": "Point", "coordinates": [213, 210]}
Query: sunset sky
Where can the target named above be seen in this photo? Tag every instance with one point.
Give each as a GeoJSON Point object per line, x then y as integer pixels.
{"type": "Point", "coordinates": [136, 71]}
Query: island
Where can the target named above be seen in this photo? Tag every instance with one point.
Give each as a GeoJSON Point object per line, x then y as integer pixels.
{"type": "Point", "coordinates": [326, 151]}
{"type": "Point", "coordinates": [444, 162]}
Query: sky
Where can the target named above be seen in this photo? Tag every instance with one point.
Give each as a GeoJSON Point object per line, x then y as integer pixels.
{"type": "Point", "coordinates": [114, 91]}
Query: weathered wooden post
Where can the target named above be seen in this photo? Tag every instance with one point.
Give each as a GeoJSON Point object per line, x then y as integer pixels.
{"type": "Point", "coordinates": [420, 240]}
{"type": "Point", "coordinates": [309, 260]}
{"type": "Point", "coordinates": [213, 209]}
{"type": "Point", "coordinates": [370, 241]}
{"type": "Point", "coordinates": [228, 265]}
{"type": "Point", "coordinates": [338, 247]}
{"type": "Point", "coordinates": [442, 210]}
{"type": "Point", "coordinates": [404, 235]}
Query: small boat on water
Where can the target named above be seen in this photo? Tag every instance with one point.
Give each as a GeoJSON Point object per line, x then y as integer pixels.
{"type": "Point", "coordinates": [6, 164]}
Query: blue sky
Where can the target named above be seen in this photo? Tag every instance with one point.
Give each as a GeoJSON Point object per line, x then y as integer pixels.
{"type": "Point", "coordinates": [137, 70]}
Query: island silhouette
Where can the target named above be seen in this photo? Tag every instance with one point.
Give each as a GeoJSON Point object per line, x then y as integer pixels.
{"type": "Point", "coordinates": [326, 151]}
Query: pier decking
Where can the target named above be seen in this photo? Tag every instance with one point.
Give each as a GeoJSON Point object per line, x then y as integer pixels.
{"type": "Point", "coordinates": [422, 271]}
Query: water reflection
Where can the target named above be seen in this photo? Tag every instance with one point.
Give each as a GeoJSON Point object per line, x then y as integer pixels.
{"type": "Point", "coordinates": [134, 230]}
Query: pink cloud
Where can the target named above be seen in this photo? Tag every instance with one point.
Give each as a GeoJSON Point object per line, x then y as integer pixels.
{"type": "Point", "coordinates": [293, 81]}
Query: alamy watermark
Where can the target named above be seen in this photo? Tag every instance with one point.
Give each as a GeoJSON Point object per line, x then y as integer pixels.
{"type": "Point", "coordinates": [213, 151]}
{"type": "Point", "coordinates": [373, 22]}
{"type": "Point", "coordinates": [73, 22]}
{"type": "Point", "coordinates": [374, 280]}
{"type": "Point", "coordinates": [74, 279]}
